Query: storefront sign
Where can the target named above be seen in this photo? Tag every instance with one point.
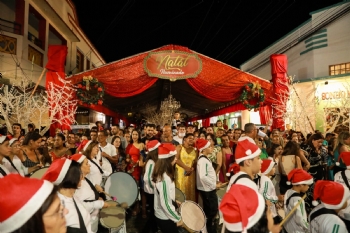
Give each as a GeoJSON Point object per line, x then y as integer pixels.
{"type": "Point", "coordinates": [335, 95]}
{"type": "Point", "coordinates": [172, 64]}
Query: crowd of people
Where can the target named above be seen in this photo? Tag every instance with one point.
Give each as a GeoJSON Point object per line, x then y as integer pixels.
{"type": "Point", "coordinates": [270, 175]}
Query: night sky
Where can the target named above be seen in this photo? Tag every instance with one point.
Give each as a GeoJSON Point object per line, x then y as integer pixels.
{"type": "Point", "coordinates": [231, 31]}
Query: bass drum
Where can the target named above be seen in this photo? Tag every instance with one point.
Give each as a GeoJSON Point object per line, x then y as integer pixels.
{"type": "Point", "coordinates": [122, 186]}
{"type": "Point", "coordinates": [38, 174]}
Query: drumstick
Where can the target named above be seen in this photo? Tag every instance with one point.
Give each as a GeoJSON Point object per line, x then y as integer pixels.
{"type": "Point", "coordinates": [113, 198]}
{"type": "Point", "coordinates": [292, 211]}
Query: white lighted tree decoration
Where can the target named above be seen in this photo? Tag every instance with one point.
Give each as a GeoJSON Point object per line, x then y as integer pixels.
{"type": "Point", "coordinates": [155, 117]}
{"type": "Point", "coordinates": [17, 105]}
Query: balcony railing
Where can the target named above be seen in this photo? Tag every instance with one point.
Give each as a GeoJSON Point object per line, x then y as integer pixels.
{"type": "Point", "coordinates": [35, 40]}
{"type": "Point", "coordinates": [9, 26]}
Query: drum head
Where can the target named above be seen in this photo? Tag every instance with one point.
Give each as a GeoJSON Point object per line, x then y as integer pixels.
{"type": "Point", "coordinates": [179, 195]}
{"type": "Point", "coordinates": [111, 203]}
{"type": "Point", "coordinates": [38, 174]}
{"type": "Point", "coordinates": [122, 186]}
{"type": "Point", "coordinates": [112, 217]}
{"type": "Point", "coordinates": [192, 215]}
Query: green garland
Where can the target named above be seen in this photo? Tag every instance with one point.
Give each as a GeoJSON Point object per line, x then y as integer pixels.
{"type": "Point", "coordinates": [252, 90]}
{"type": "Point", "coordinates": [90, 91]}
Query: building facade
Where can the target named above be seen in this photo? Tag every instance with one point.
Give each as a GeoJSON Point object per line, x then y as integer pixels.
{"type": "Point", "coordinates": [318, 53]}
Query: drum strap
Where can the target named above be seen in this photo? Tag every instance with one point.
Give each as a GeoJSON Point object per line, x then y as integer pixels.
{"type": "Point", "coordinates": [345, 179]}
{"type": "Point", "coordinates": [81, 220]}
{"type": "Point", "coordinates": [321, 212]}
{"type": "Point", "coordinates": [96, 166]}
{"type": "Point", "coordinates": [293, 195]}
{"type": "Point", "coordinates": [244, 175]}
{"type": "Point", "coordinates": [2, 172]}
{"type": "Point", "coordinates": [93, 188]}
{"type": "Point", "coordinates": [8, 158]}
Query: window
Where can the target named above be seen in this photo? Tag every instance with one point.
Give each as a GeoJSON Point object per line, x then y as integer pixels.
{"type": "Point", "coordinates": [55, 38]}
{"type": "Point", "coordinates": [88, 64]}
{"type": "Point", "coordinates": [79, 62]}
{"type": "Point", "coordinates": [36, 28]}
{"type": "Point", "coordinates": [339, 69]}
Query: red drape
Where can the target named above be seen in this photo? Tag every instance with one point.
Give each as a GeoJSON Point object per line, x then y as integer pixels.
{"type": "Point", "coordinates": [55, 65]}
{"type": "Point", "coordinates": [217, 81]}
{"type": "Point", "coordinates": [280, 89]}
{"type": "Point", "coordinates": [265, 114]}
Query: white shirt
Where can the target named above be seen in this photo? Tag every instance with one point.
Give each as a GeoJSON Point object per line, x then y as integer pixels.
{"type": "Point", "coordinates": [110, 150]}
{"type": "Point", "coordinates": [95, 175]}
{"type": "Point", "coordinates": [267, 189]}
{"type": "Point", "coordinates": [242, 181]}
{"type": "Point", "coordinates": [147, 178]}
{"type": "Point", "coordinates": [21, 169]}
{"type": "Point", "coordinates": [326, 223]}
{"type": "Point", "coordinates": [72, 219]}
{"type": "Point", "coordinates": [297, 223]}
{"type": "Point", "coordinates": [5, 170]}
{"type": "Point", "coordinates": [84, 192]}
{"type": "Point", "coordinates": [344, 213]}
{"type": "Point", "coordinates": [179, 140]}
{"type": "Point", "coordinates": [163, 196]}
{"type": "Point", "coordinates": [205, 175]}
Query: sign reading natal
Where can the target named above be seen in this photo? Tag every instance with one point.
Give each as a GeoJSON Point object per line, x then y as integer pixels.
{"type": "Point", "coordinates": [172, 64]}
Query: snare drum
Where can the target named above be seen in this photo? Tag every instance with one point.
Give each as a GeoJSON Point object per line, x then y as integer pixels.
{"type": "Point", "coordinates": [112, 203]}
{"type": "Point", "coordinates": [192, 216]}
{"type": "Point", "coordinates": [112, 218]}
{"type": "Point", "coordinates": [38, 174]}
{"type": "Point", "coordinates": [179, 195]}
{"type": "Point", "coordinates": [122, 186]}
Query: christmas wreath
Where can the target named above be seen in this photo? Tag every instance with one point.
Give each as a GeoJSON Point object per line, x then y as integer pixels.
{"type": "Point", "coordinates": [250, 91]}
{"type": "Point", "coordinates": [90, 91]}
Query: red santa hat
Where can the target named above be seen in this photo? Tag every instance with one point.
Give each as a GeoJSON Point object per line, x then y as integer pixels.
{"type": "Point", "coordinates": [166, 151]}
{"type": "Point", "coordinates": [242, 207]}
{"type": "Point", "coordinates": [299, 176]}
{"type": "Point", "coordinates": [21, 200]}
{"type": "Point", "coordinates": [266, 166]}
{"type": "Point", "coordinates": [246, 150]}
{"type": "Point", "coordinates": [332, 194]}
{"type": "Point", "coordinates": [152, 145]}
{"type": "Point", "coordinates": [57, 171]}
{"type": "Point", "coordinates": [202, 144]}
{"type": "Point", "coordinates": [345, 156]}
{"type": "Point", "coordinates": [234, 168]}
{"type": "Point", "coordinates": [78, 157]}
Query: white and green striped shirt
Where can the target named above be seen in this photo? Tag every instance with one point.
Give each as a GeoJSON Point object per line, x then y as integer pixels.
{"type": "Point", "coordinates": [326, 223]}
{"type": "Point", "coordinates": [163, 196]}
{"type": "Point", "coordinates": [147, 178]}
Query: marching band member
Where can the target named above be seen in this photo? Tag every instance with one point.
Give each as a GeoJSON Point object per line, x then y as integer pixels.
{"type": "Point", "coordinates": [67, 175]}
{"type": "Point", "coordinates": [38, 210]}
{"type": "Point", "coordinates": [324, 217]}
{"type": "Point", "coordinates": [266, 187]}
{"type": "Point", "coordinates": [244, 210]}
{"type": "Point", "coordinates": [13, 163]}
{"type": "Point", "coordinates": [88, 193]}
{"type": "Point", "coordinates": [96, 171]}
{"type": "Point", "coordinates": [151, 159]}
{"type": "Point", "coordinates": [164, 194]}
{"type": "Point", "coordinates": [247, 156]}
{"type": "Point", "coordinates": [301, 181]}
{"type": "Point", "coordinates": [5, 150]}
{"type": "Point", "coordinates": [206, 183]}
{"type": "Point", "coordinates": [343, 177]}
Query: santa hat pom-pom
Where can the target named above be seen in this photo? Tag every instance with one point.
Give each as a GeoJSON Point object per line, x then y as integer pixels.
{"type": "Point", "coordinates": [337, 163]}
{"type": "Point", "coordinates": [315, 203]}
{"type": "Point", "coordinates": [228, 174]}
{"type": "Point", "coordinates": [288, 183]}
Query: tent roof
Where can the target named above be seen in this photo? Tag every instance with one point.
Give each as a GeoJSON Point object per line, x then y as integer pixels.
{"type": "Point", "coordinates": [129, 88]}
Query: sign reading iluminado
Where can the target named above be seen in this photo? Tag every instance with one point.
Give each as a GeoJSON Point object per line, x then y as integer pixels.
{"type": "Point", "coordinates": [172, 64]}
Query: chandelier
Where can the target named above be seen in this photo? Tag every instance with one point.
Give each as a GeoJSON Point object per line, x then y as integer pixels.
{"type": "Point", "coordinates": [169, 103]}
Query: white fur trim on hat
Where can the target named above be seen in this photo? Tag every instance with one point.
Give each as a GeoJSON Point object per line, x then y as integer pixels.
{"type": "Point", "coordinates": [63, 172]}
{"type": "Point", "coordinates": [12, 141]}
{"type": "Point", "coordinates": [28, 209]}
{"type": "Point", "coordinates": [272, 164]}
{"type": "Point", "coordinates": [86, 145]}
{"type": "Point", "coordinates": [308, 182]}
{"type": "Point", "coordinates": [346, 195]}
{"type": "Point", "coordinates": [2, 138]}
{"type": "Point", "coordinates": [204, 147]}
{"type": "Point", "coordinates": [250, 155]}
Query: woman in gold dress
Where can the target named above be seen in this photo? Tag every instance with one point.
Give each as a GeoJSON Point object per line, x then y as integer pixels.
{"type": "Point", "coordinates": [185, 175]}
